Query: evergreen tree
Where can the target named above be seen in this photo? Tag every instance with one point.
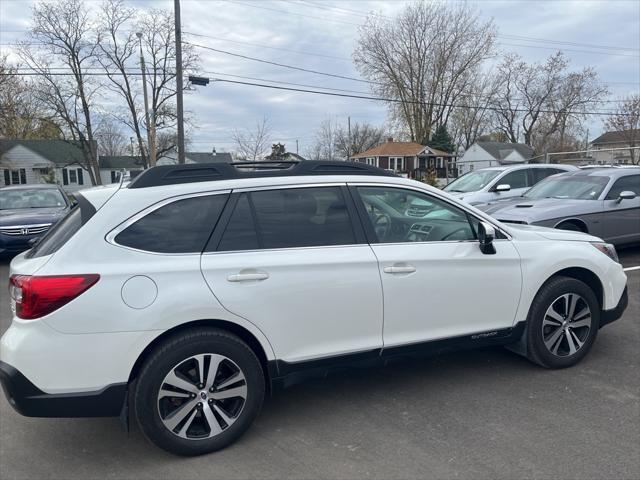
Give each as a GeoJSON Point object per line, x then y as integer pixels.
{"type": "Point", "coordinates": [442, 140]}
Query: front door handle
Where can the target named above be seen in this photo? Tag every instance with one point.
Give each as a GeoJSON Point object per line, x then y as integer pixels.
{"type": "Point", "coordinates": [247, 277]}
{"type": "Point", "coordinates": [399, 269]}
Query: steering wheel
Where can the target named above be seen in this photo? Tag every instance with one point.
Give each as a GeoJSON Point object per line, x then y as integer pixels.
{"type": "Point", "coordinates": [382, 225]}
{"type": "Point", "coordinates": [449, 235]}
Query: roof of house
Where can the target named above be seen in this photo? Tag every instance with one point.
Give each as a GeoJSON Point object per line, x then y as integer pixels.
{"type": "Point", "coordinates": [208, 157]}
{"type": "Point", "coordinates": [60, 152]}
{"type": "Point", "coordinates": [501, 150]}
{"type": "Point", "coordinates": [120, 161]}
{"type": "Point", "coordinates": [398, 149]}
{"type": "Point", "coordinates": [615, 137]}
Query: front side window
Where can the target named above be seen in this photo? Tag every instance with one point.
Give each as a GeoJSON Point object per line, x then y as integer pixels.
{"type": "Point", "coordinates": [296, 217]}
{"type": "Point", "coordinates": [182, 226]}
{"type": "Point", "coordinates": [516, 179]}
{"type": "Point", "coordinates": [624, 184]}
{"type": "Point", "coordinates": [399, 215]}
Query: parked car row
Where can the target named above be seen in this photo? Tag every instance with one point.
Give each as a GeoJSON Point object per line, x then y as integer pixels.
{"type": "Point", "coordinates": [602, 201]}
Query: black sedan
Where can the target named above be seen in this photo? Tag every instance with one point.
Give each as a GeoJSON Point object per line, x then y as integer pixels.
{"type": "Point", "coordinates": [27, 212]}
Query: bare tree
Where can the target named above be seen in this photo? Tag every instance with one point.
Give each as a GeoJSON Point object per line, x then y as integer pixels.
{"type": "Point", "coordinates": [363, 136]}
{"type": "Point", "coordinates": [118, 55]}
{"type": "Point", "coordinates": [253, 144]}
{"type": "Point", "coordinates": [468, 124]}
{"type": "Point", "coordinates": [158, 43]}
{"type": "Point", "coordinates": [62, 32]}
{"type": "Point", "coordinates": [626, 121]}
{"type": "Point", "coordinates": [111, 139]}
{"type": "Point", "coordinates": [537, 101]}
{"type": "Point", "coordinates": [325, 143]}
{"type": "Point", "coordinates": [22, 115]}
{"type": "Point", "coordinates": [425, 58]}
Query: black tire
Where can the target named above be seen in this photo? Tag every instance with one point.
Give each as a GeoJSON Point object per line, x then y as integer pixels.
{"type": "Point", "coordinates": [173, 352]}
{"type": "Point", "coordinates": [572, 227]}
{"type": "Point", "coordinates": [537, 350]}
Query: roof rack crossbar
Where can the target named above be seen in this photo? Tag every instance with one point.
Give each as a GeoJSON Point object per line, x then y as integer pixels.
{"type": "Point", "coordinates": [206, 172]}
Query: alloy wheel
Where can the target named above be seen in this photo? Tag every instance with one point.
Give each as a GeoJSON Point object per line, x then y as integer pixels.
{"type": "Point", "coordinates": [202, 396]}
{"type": "Point", "coordinates": [566, 325]}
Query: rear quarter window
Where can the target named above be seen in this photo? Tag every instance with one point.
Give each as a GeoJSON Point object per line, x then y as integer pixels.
{"type": "Point", "coordinates": [182, 226]}
{"type": "Point", "coordinates": [59, 234]}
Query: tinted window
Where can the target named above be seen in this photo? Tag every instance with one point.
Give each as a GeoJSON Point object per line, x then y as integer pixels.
{"type": "Point", "coordinates": [182, 226]}
{"type": "Point", "coordinates": [515, 179]}
{"type": "Point", "coordinates": [542, 173]}
{"type": "Point", "coordinates": [577, 187]}
{"type": "Point", "coordinates": [630, 183]}
{"type": "Point", "coordinates": [58, 235]}
{"type": "Point", "coordinates": [297, 217]}
{"type": "Point", "coordinates": [240, 233]}
{"type": "Point", "coordinates": [399, 215]}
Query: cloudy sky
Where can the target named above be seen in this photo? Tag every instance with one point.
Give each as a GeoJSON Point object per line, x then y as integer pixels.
{"type": "Point", "coordinates": [320, 35]}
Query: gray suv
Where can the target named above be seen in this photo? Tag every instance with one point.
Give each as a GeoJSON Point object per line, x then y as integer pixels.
{"type": "Point", "coordinates": [495, 183]}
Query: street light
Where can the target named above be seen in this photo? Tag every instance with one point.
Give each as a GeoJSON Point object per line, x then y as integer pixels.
{"type": "Point", "coordinates": [151, 130]}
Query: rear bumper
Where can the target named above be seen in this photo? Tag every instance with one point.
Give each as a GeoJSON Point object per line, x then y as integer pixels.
{"type": "Point", "coordinates": [30, 401]}
{"type": "Point", "coordinates": [614, 314]}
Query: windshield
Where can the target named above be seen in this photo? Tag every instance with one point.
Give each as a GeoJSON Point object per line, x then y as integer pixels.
{"type": "Point", "coordinates": [35, 198]}
{"type": "Point", "coordinates": [573, 187]}
{"type": "Point", "coordinates": [473, 181]}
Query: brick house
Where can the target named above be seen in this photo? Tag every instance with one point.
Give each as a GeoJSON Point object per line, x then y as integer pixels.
{"type": "Point", "coordinates": [410, 159]}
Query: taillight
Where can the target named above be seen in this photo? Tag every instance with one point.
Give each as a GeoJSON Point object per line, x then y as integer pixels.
{"type": "Point", "coordinates": [35, 297]}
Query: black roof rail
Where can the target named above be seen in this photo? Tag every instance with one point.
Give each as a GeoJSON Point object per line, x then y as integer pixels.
{"type": "Point", "coordinates": [206, 172]}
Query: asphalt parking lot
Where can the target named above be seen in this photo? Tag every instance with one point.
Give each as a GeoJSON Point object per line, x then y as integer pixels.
{"type": "Point", "coordinates": [479, 414]}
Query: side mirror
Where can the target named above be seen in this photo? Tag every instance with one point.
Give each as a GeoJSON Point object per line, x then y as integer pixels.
{"type": "Point", "coordinates": [486, 234]}
{"type": "Point", "coordinates": [503, 187]}
{"type": "Point", "coordinates": [626, 195]}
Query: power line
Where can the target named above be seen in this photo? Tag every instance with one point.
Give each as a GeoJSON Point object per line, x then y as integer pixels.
{"type": "Point", "coordinates": [295, 14]}
{"type": "Point", "coordinates": [246, 57]}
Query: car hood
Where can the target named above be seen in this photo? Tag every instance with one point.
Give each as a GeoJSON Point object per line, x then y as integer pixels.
{"type": "Point", "coordinates": [30, 216]}
{"type": "Point", "coordinates": [523, 209]}
{"type": "Point", "coordinates": [551, 233]}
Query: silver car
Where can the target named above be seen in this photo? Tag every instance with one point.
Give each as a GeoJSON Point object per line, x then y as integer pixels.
{"type": "Point", "coordinates": [494, 183]}
{"type": "Point", "coordinates": [604, 202]}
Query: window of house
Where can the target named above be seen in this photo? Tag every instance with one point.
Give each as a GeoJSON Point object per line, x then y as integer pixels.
{"type": "Point", "coordinates": [15, 176]}
{"type": "Point", "coordinates": [73, 176]}
{"type": "Point", "coordinates": [297, 217]}
{"type": "Point", "coordinates": [439, 163]}
{"type": "Point", "coordinates": [115, 176]}
{"type": "Point", "coordinates": [396, 163]}
{"type": "Point", "coordinates": [372, 161]}
{"type": "Point", "coordinates": [182, 226]}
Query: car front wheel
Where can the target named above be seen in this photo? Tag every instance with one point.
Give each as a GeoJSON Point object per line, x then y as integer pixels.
{"type": "Point", "coordinates": [199, 392]}
{"type": "Point", "coordinates": [563, 323]}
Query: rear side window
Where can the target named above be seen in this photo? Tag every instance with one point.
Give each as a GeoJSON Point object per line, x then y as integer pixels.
{"type": "Point", "coordinates": [542, 173]}
{"type": "Point", "coordinates": [59, 234]}
{"type": "Point", "coordinates": [296, 217]}
{"type": "Point", "coordinates": [182, 226]}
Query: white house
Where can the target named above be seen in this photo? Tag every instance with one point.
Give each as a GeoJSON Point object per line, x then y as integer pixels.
{"type": "Point", "coordinates": [491, 154]}
{"type": "Point", "coordinates": [615, 147]}
{"type": "Point", "coordinates": [42, 161]}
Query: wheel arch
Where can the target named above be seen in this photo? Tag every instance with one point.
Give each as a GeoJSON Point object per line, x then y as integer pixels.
{"type": "Point", "coordinates": [581, 224]}
{"type": "Point", "coordinates": [586, 276]}
{"type": "Point", "coordinates": [268, 367]}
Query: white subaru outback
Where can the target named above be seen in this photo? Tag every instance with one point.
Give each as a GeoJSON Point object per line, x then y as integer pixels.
{"type": "Point", "coordinates": [184, 297]}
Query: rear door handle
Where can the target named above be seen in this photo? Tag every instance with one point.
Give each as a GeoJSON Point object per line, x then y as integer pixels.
{"type": "Point", "coordinates": [399, 269]}
{"type": "Point", "coordinates": [247, 277]}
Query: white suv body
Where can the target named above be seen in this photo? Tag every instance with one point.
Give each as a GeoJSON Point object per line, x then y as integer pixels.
{"type": "Point", "coordinates": [385, 284]}
{"type": "Point", "coordinates": [496, 183]}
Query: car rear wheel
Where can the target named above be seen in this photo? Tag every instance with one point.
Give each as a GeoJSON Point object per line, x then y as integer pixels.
{"type": "Point", "coordinates": [199, 392]}
{"type": "Point", "coordinates": [563, 323]}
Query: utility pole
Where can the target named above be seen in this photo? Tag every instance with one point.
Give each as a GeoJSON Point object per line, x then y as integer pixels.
{"type": "Point", "coordinates": [296, 146]}
{"type": "Point", "coordinates": [151, 128]}
{"type": "Point", "coordinates": [178, 28]}
{"type": "Point", "coordinates": [349, 133]}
